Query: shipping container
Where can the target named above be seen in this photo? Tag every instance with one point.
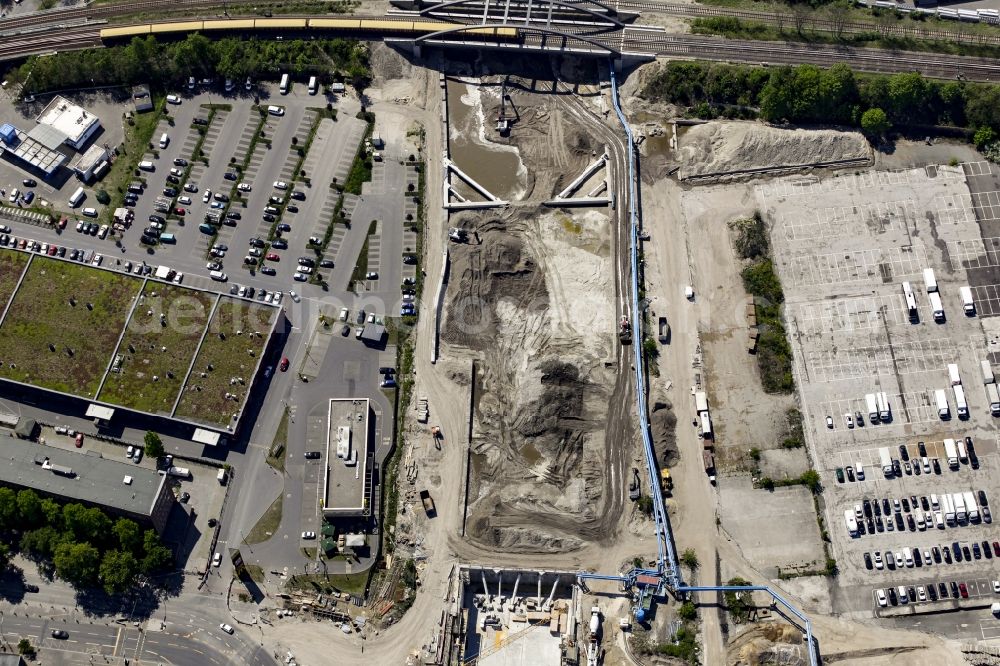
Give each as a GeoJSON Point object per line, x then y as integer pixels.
{"type": "Point", "coordinates": [948, 507]}
{"type": "Point", "coordinates": [884, 411]}
{"type": "Point", "coordinates": [951, 453]}
{"type": "Point", "coordinates": [960, 514]}
{"type": "Point", "coordinates": [872, 407]}
{"type": "Point", "coordinates": [929, 281]}
{"type": "Point", "coordinates": [993, 395]}
{"type": "Point", "coordinates": [960, 403]}
{"type": "Point", "coordinates": [937, 309]}
{"type": "Point", "coordinates": [967, 303]}
{"type": "Point", "coordinates": [941, 400]}
{"type": "Point", "coordinates": [885, 460]}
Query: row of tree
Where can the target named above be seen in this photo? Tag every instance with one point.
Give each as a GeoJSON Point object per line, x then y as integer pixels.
{"type": "Point", "coordinates": [84, 545]}
{"type": "Point", "coordinates": [169, 64]}
{"type": "Point", "coordinates": [809, 94]}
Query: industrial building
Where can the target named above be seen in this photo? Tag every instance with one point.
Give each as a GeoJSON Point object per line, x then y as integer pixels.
{"type": "Point", "coordinates": [73, 122]}
{"type": "Point", "coordinates": [31, 149]}
{"type": "Point", "coordinates": [92, 163]}
{"type": "Point", "coordinates": [507, 617]}
{"type": "Point", "coordinates": [349, 459]}
{"type": "Point", "coordinates": [119, 488]}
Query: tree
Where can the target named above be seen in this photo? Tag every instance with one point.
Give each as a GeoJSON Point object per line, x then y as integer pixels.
{"type": "Point", "coordinates": [687, 611]}
{"type": "Point", "coordinates": [153, 445]}
{"type": "Point", "coordinates": [157, 556]}
{"type": "Point", "coordinates": [41, 543]}
{"type": "Point", "coordinates": [128, 534]}
{"type": "Point", "coordinates": [874, 123]}
{"type": "Point", "coordinates": [8, 509]}
{"type": "Point", "coordinates": [810, 478]}
{"type": "Point", "coordinates": [689, 558]}
{"type": "Point", "coordinates": [4, 556]}
{"type": "Point", "coordinates": [103, 197]}
{"type": "Point", "coordinates": [118, 571]}
{"type": "Point", "coordinates": [29, 507]}
{"type": "Point", "coordinates": [984, 137]}
{"type": "Point", "coordinates": [77, 563]}
{"type": "Point", "coordinates": [26, 649]}
{"type": "Point", "coordinates": [740, 603]}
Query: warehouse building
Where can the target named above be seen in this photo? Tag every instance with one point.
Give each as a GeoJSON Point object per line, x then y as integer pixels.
{"type": "Point", "coordinates": [31, 149]}
{"type": "Point", "coordinates": [71, 120]}
{"type": "Point", "coordinates": [92, 163]}
{"type": "Point", "coordinates": [119, 488]}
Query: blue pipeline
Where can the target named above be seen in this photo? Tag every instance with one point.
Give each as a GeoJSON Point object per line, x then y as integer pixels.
{"type": "Point", "coordinates": [664, 538]}
{"type": "Point", "coordinates": [667, 558]}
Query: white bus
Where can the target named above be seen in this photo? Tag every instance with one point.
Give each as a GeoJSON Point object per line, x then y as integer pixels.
{"type": "Point", "coordinates": [313, 86]}
{"type": "Point", "coordinates": [284, 84]}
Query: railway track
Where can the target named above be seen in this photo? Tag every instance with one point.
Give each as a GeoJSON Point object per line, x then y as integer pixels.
{"type": "Point", "coordinates": [812, 23]}
{"type": "Point", "coordinates": [868, 60]}
{"type": "Point", "coordinates": [65, 39]}
{"type": "Point", "coordinates": [96, 12]}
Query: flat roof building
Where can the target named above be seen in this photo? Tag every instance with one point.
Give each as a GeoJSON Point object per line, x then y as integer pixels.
{"type": "Point", "coordinates": [347, 486]}
{"type": "Point", "coordinates": [73, 120]}
{"type": "Point", "coordinates": [21, 147]}
{"type": "Point", "coordinates": [86, 164]}
{"type": "Point", "coordinates": [121, 489]}
{"type": "Point", "coordinates": [142, 99]}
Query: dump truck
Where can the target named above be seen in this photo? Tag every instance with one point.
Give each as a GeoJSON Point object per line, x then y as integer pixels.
{"type": "Point", "coordinates": [708, 459]}
{"type": "Point", "coordinates": [428, 502]}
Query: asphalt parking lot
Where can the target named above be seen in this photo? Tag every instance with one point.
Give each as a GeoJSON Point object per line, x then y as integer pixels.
{"type": "Point", "coordinates": [843, 247]}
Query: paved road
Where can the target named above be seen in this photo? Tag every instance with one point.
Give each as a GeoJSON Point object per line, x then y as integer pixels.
{"type": "Point", "coordinates": [184, 630]}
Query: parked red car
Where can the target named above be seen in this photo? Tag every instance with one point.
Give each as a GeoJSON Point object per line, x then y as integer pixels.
{"type": "Point", "coordinates": [963, 590]}
{"type": "Point", "coordinates": [284, 364]}
{"type": "Point", "coordinates": [79, 440]}
{"type": "Point", "coordinates": [273, 256]}
{"type": "Point", "coordinates": [180, 211]}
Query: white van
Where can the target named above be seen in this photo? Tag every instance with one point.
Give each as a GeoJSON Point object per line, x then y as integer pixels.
{"type": "Point", "coordinates": [77, 197]}
{"type": "Point", "coordinates": [164, 140]}
{"type": "Point", "coordinates": [218, 276]}
{"type": "Point", "coordinates": [90, 212]}
{"type": "Point", "coordinates": [313, 87]}
{"type": "Point", "coordinates": [221, 476]}
{"type": "Point", "coordinates": [146, 165]}
{"type": "Point", "coordinates": [276, 110]}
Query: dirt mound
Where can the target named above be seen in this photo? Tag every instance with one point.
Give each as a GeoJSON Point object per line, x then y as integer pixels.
{"type": "Point", "coordinates": [529, 295]}
{"type": "Point", "coordinates": [498, 268]}
{"type": "Point", "coordinates": [663, 425]}
{"type": "Point", "coordinates": [739, 147]}
{"type": "Point", "coordinates": [773, 643]}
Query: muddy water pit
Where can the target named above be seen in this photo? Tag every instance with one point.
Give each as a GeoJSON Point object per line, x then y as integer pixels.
{"type": "Point", "coordinates": [496, 167]}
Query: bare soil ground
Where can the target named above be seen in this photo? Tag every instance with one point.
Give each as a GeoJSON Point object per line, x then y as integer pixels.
{"type": "Point", "coordinates": [533, 302]}
{"type": "Point", "coordinates": [731, 147]}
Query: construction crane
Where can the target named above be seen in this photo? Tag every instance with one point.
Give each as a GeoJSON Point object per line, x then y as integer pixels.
{"type": "Point", "coordinates": [502, 644]}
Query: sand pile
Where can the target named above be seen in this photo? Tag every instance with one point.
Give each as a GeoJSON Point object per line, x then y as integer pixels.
{"type": "Point", "coordinates": [721, 148]}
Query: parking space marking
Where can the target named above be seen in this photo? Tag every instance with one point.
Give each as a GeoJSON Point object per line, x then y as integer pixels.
{"type": "Point", "coordinates": [859, 265]}
{"type": "Point", "coordinates": [975, 252]}
{"type": "Point", "coordinates": [857, 361]}
{"type": "Point", "coordinates": [812, 186]}
{"type": "Point", "coordinates": [907, 408]}
{"type": "Point", "coordinates": [833, 221]}
{"type": "Point", "coordinates": [851, 314]}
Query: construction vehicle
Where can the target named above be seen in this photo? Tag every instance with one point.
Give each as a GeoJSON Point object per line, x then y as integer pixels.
{"type": "Point", "coordinates": [436, 432]}
{"type": "Point", "coordinates": [625, 330]}
{"type": "Point", "coordinates": [504, 121]}
{"type": "Point", "coordinates": [633, 489]}
{"type": "Point", "coordinates": [428, 502]}
{"type": "Point", "coordinates": [666, 482]}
